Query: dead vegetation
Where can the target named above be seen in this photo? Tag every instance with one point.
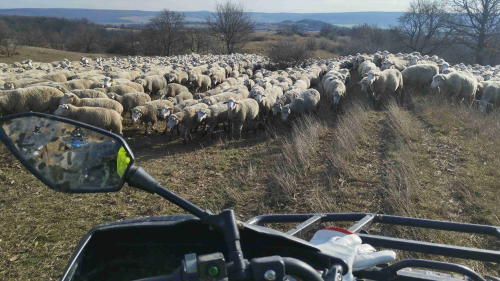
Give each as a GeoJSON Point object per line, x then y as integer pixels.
{"type": "Point", "coordinates": [426, 159]}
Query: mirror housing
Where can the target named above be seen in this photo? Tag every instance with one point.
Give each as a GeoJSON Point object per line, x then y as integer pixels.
{"type": "Point", "coordinates": [66, 155]}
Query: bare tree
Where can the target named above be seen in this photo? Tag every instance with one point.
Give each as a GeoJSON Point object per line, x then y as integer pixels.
{"type": "Point", "coordinates": [88, 38]}
{"type": "Point", "coordinates": [424, 27]}
{"type": "Point", "coordinates": [231, 24]}
{"type": "Point", "coordinates": [198, 40]}
{"type": "Point", "coordinates": [165, 30]}
{"type": "Point", "coordinates": [476, 25]}
{"type": "Point", "coordinates": [56, 40]}
{"type": "Point", "coordinates": [32, 37]}
{"type": "Point", "coordinates": [329, 31]}
{"type": "Point", "coordinates": [8, 40]}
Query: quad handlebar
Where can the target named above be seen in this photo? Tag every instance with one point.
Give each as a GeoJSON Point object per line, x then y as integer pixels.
{"type": "Point", "coordinates": [212, 267]}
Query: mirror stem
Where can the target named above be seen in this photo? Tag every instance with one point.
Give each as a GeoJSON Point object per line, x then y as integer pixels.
{"type": "Point", "coordinates": [224, 222]}
{"type": "Point", "coordinates": [139, 178]}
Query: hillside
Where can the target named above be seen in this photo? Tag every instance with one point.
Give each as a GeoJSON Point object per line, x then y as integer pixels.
{"type": "Point", "coordinates": [383, 19]}
{"type": "Point", "coordinates": [46, 55]}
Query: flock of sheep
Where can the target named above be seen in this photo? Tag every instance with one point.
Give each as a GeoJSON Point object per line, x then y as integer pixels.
{"type": "Point", "coordinates": [384, 74]}
{"type": "Point", "coordinates": [239, 90]}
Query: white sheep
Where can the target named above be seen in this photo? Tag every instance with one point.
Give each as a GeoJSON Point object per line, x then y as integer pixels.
{"type": "Point", "coordinates": [419, 76]}
{"type": "Point", "coordinates": [180, 97]}
{"type": "Point", "coordinates": [187, 118]}
{"type": "Point", "coordinates": [89, 93]}
{"type": "Point", "coordinates": [103, 118]}
{"type": "Point", "coordinates": [308, 101]}
{"type": "Point", "coordinates": [491, 97]}
{"type": "Point", "coordinates": [152, 84]}
{"type": "Point", "coordinates": [171, 90]}
{"type": "Point", "coordinates": [212, 116]}
{"type": "Point", "coordinates": [285, 99]}
{"type": "Point", "coordinates": [36, 99]}
{"type": "Point", "coordinates": [335, 90]}
{"type": "Point", "coordinates": [129, 101]}
{"type": "Point", "coordinates": [385, 83]}
{"type": "Point", "coordinates": [149, 113]}
{"type": "Point", "coordinates": [242, 112]}
{"type": "Point", "coordinates": [70, 98]}
{"type": "Point", "coordinates": [456, 86]}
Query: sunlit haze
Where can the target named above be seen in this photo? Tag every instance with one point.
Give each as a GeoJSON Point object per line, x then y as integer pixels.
{"type": "Point", "coordinates": [271, 6]}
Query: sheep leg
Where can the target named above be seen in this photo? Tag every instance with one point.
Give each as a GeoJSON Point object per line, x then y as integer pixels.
{"type": "Point", "coordinates": [205, 129]}
{"type": "Point", "coordinates": [257, 122]}
{"type": "Point", "coordinates": [210, 135]}
{"type": "Point", "coordinates": [240, 129]}
{"type": "Point", "coordinates": [153, 127]}
{"type": "Point", "coordinates": [145, 128]}
{"type": "Point", "coordinates": [186, 134]}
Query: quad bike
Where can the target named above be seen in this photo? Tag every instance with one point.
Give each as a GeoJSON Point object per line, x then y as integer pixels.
{"type": "Point", "coordinates": [77, 139]}
{"type": "Point", "coordinates": [210, 247]}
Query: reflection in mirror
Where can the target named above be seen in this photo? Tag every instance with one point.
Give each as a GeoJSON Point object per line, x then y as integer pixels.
{"type": "Point", "coordinates": [68, 157]}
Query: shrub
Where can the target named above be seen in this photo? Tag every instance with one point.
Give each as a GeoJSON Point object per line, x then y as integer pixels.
{"type": "Point", "coordinates": [258, 38]}
{"type": "Point", "coordinates": [311, 44]}
{"type": "Point", "coordinates": [289, 52]}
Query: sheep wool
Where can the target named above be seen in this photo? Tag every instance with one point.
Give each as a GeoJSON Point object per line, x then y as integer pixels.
{"type": "Point", "coordinates": [103, 118]}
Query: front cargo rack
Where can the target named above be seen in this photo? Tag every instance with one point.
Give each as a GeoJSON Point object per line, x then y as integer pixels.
{"type": "Point", "coordinates": [402, 270]}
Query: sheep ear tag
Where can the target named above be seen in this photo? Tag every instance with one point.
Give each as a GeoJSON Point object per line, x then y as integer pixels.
{"type": "Point", "coordinates": [66, 155]}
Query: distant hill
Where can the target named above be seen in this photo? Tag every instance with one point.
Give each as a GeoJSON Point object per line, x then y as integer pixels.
{"type": "Point", "coordinates": [382, 19]}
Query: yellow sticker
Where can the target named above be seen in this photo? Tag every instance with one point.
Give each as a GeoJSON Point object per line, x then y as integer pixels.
{"type": "Point", "coordinates": [122, 162]}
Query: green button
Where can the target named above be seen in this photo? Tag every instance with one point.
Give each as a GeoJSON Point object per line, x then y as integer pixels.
{"type": "Point", "coordinates": [213, 271]}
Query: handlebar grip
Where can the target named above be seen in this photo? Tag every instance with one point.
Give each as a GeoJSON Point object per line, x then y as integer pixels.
{"type": "Point", "coordinates": [394, 268]}
{"type": "Point", "coordinates": [301, 269]}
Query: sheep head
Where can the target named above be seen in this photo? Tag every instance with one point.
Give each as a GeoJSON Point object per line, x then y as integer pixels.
{"type": "Point", "coordinates": [202, 114]}
{"type": "Point", "coordinates": [285, 112]}
{"type": "Point", "coordinates": [276, 108]}
{"type": "Point", "coordinates": [259, 97]}
{"type": "Point", "coordinates": [231, 104]}
{"type": "Point", "coordinates": [108, 82]}
{"type": "Point", "coordinates": [165, 111]}
{"type": "Point", "coordinates": [372, 76]}
{"type": "Point", "coordinates": [483, 105]}
{"type": "Point", "coordinates": [63, 110]}
{"type": "Point", "coordinates": [8, 86]}
{"type": "Point", "coordinates": [172, 100]}
{"type": "Point", "coordinates": [172, 77]}
{"type": "Point", "coordinates": [173, 121]}
{"type": "Point", "coordinates": [136, 114]}
{"type": "Point", "coordinates": [438, 81]}
{"type": "Point", "coordinates": [67, 98]}
{"type": "Point", "coordinates": [364, 84]}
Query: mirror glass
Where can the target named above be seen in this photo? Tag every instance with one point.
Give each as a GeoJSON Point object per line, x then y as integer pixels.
{"type": "Point", "coordinates": [68, 158]}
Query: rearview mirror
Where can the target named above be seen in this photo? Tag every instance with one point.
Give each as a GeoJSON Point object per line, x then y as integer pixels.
{"type": "Point", "coordinates": [66, 155]}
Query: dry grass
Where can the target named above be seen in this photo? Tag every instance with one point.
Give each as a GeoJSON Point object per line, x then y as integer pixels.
{"type": "Point", "coordinates": [45, 55]}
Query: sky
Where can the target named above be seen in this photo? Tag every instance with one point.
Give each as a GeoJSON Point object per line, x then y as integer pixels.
{"type": "Point", "coordinates": [271, 6]}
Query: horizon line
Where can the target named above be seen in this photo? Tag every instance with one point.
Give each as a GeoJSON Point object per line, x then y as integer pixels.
{"type": "Point", "coordinates": [204, 11]}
